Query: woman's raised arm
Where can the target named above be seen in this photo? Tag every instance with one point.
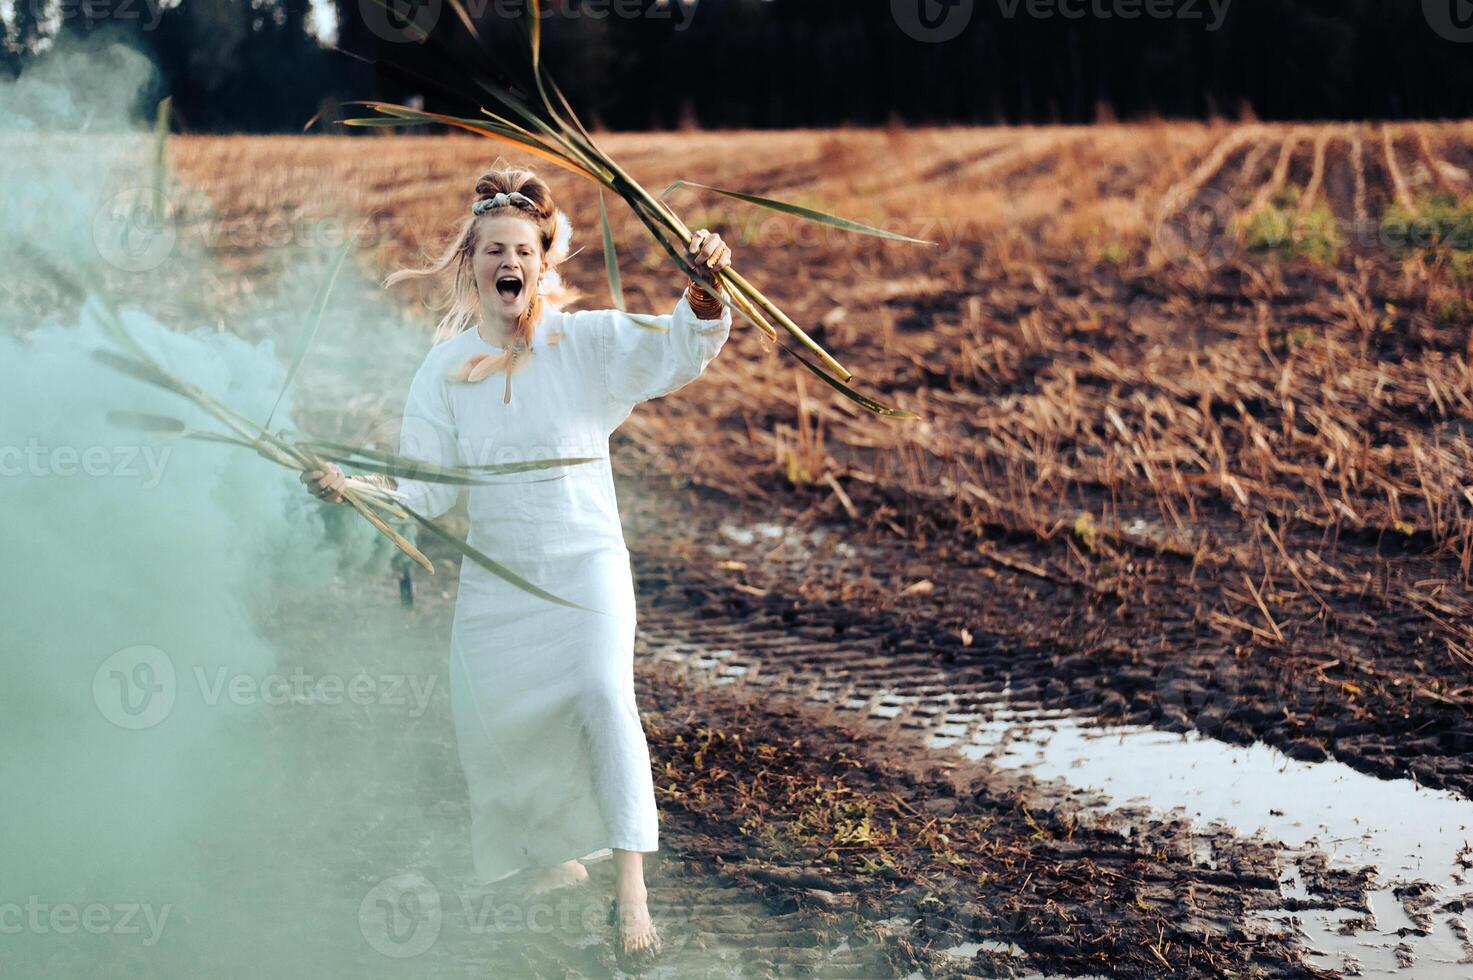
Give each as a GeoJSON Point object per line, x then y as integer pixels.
{"type": "Point", "coordinates": [641, 362]}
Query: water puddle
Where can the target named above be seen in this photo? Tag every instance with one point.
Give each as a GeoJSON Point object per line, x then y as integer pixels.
{"type": "Point", "coordinates": [1378, 875]}
{"type": "Point", "coordinates": [1417, 840]}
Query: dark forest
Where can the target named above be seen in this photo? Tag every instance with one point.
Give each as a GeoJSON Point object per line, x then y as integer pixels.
{"type": "Point", "coordinates": [633, 64]}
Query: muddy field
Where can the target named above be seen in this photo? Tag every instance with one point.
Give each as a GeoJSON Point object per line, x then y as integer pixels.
{"type": "Point", "coordinates": [1147, 652]}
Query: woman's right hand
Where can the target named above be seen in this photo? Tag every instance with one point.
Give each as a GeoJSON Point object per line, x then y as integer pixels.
{"type": "Point", "coordinates": [326, 484]}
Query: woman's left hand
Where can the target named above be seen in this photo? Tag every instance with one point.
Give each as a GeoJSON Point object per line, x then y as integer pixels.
{"type": "Point", "coordinates": [709, 254]}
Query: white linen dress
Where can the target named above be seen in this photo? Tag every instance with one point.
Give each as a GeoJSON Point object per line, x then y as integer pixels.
{"type": "Point", "coordinates": [542, 695]}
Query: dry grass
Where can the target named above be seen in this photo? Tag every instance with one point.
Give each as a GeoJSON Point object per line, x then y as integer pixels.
{"type": "Point", "coordinates": [1298, 426]}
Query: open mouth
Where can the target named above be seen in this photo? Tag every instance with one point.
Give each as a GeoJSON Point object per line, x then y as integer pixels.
{"type": "Point", "coordinates": [509, 287]}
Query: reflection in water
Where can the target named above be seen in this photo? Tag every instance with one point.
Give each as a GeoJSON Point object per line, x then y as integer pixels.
{"type": "Point", "coordinates": [1407, 832]}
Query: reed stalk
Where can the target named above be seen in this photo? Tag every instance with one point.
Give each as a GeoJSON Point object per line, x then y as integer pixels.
{"type": "Point", "coordinates": [554, 133]}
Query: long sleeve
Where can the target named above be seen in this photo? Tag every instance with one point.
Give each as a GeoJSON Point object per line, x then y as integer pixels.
{"type": "Point", "coordinates": [641, 363]}
{"type": "Point", "coordinates": [428, 433]}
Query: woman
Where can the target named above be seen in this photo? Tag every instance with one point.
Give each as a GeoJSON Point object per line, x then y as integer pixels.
{"type": "Point", "coordinates": [542, 695]}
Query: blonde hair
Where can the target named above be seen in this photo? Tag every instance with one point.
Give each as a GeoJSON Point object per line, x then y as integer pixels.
{"type": "Point", "coordinates": [460, 300]}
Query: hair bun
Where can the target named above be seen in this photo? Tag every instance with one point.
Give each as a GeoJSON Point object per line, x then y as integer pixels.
{"type": "Point", "coordinates": [501, 199]}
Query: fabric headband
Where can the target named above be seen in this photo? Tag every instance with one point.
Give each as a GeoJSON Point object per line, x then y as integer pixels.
{"type": "Point", "coordinates": [502, 199]}
{"type": "Point", "coordinates": [562, 238]}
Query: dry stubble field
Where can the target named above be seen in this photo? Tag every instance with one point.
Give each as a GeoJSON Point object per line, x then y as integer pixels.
{"type": "Point", "coordinates": [1196, 454]}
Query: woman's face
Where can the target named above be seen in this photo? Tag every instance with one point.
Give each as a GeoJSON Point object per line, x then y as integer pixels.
{"type": "Point", "coordinates": [507, 263]}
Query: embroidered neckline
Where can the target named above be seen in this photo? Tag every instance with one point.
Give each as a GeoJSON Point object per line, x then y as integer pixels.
{"type": "Point", "coordinates": [539, 339]}
{"type": "Point", "coordinates": [507, 361]}
{"type": "Point", "coordinates": [519, 345]}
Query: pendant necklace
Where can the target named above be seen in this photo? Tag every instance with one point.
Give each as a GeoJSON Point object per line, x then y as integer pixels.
{"type": "Point", "coordinates": [516, 351]}
{"type": "Point", "coordinates": [481, 365]}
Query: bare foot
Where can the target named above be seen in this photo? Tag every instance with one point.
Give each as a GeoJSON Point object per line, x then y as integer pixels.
{"type": "Point", "coordinates": [558, 876]}
{"type": "Point", "coordinates": [638, 939]}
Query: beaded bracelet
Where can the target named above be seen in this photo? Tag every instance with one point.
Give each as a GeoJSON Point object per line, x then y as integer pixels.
{"type": "Point", "coordinates": [706, 306]}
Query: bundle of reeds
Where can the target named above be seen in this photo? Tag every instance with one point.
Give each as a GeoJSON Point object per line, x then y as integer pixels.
{"type": "Point", "coordinates": [299, 452]}
{"type": "Point", "coordinates": [553, 132]}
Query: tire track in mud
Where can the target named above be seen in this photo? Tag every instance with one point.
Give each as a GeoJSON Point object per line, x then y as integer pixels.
{"type": "Point", "coordinates": [861, 678]}
{"type": "Point", "coordinates": [949, 858]}
{"type": "Point", "coordinates": [1151, 661]}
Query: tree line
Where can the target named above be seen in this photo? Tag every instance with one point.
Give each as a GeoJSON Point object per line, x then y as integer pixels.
{"type": "Point", "coordinates": [258, 66]}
